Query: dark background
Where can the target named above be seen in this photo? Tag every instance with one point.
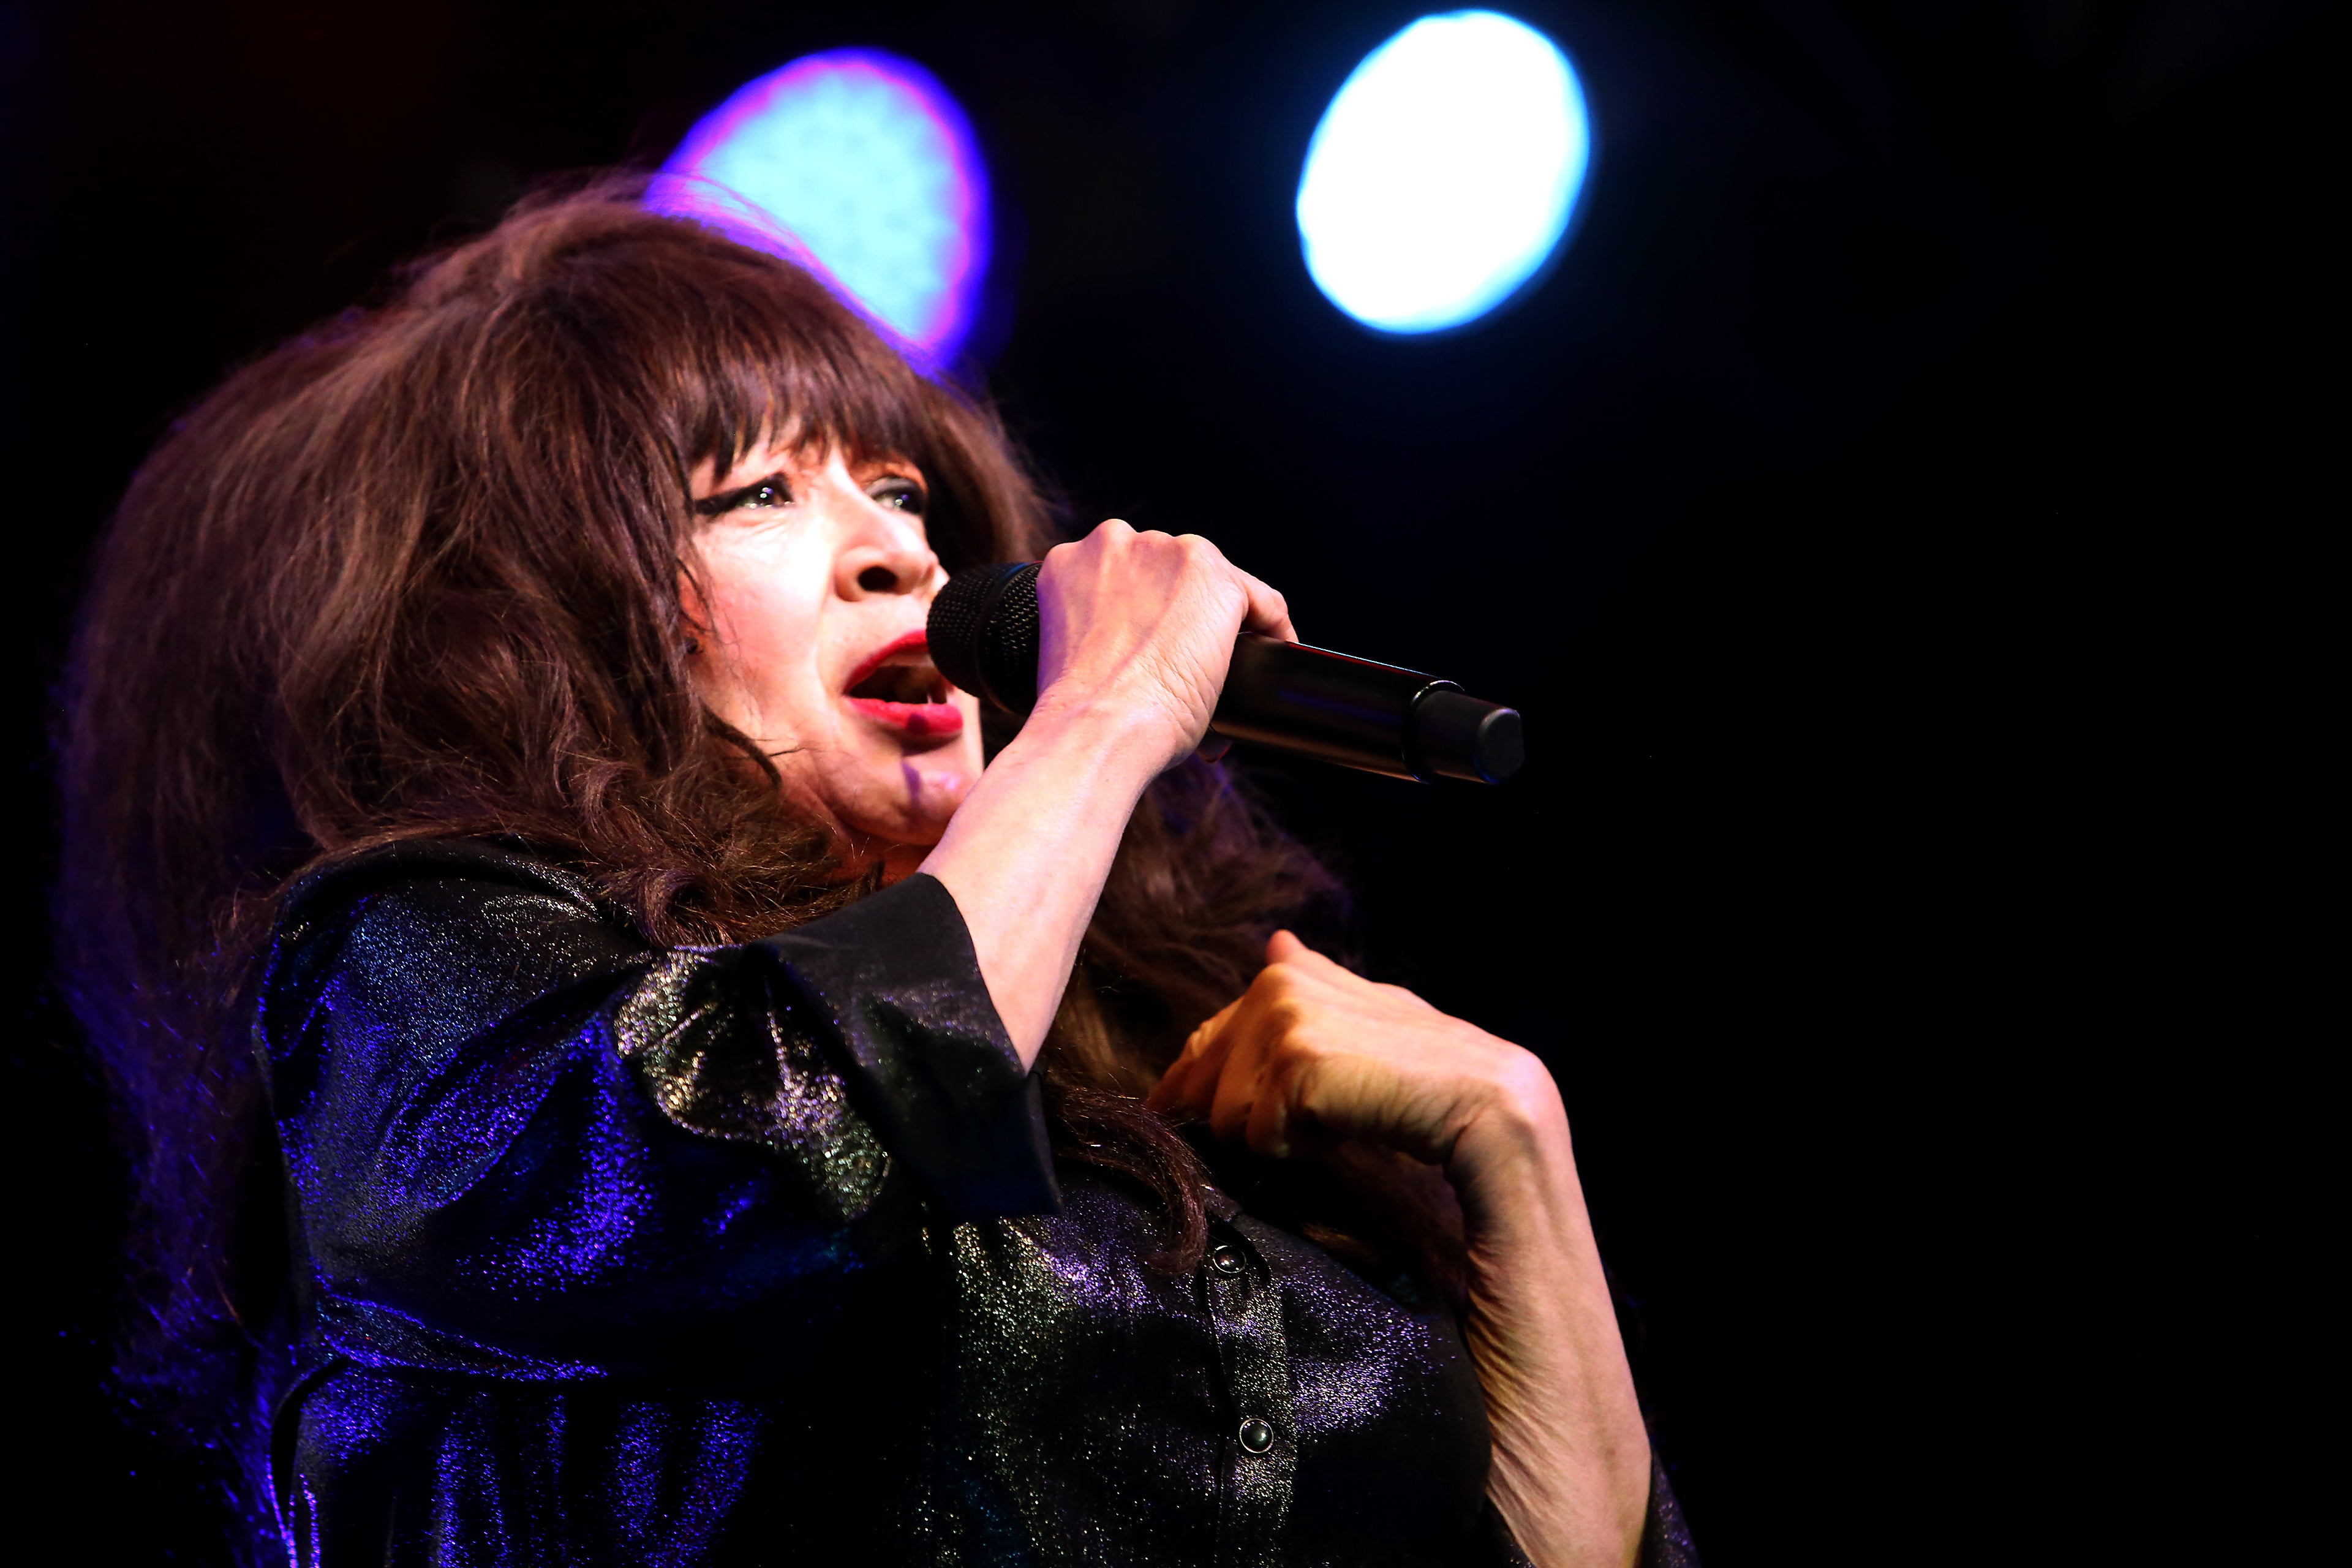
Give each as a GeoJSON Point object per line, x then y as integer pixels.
{"type": "Point", "coordinates": [1904, 516]}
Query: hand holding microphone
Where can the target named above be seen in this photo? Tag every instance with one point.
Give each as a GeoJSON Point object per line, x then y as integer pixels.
{"type": "Point", "coordinates": [1143, 618]}
{"type": "Point", "coordinates": [1139, 623]}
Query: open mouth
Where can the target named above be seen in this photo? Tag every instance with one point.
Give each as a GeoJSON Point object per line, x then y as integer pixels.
{"type": "Point", "coordinates": [897, 687]}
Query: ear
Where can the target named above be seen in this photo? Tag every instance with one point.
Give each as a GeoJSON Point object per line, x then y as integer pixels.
{"type": "Point", "coordinates": [693, 611]}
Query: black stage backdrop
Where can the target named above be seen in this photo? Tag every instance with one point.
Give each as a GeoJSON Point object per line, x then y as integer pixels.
{"type": "Point", "coordinates": [1903, 516]}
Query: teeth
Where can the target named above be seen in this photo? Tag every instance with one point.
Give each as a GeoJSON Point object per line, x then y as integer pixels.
{"type": "Point", "coordinates": [908, 678]}
{"type": "Point", "coordinates": [911, 684]}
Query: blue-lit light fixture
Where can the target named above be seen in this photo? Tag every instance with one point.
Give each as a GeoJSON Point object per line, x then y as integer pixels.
{"type": "Point", "coordinates": [859, 162]}
{"type": "Point", "coordinates": [1445, 174]}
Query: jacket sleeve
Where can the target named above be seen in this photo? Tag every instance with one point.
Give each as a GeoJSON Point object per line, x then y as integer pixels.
{"type": "Point", "coordinates": [1665, 1540]}
{"type": "Point", "coordinates": [520, 1143]}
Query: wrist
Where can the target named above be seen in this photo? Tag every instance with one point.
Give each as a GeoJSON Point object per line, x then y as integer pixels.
{"type": "Point", "coordinates": [1117, 742]}
{"type": "Point", "coordinates": [1512, 1152]}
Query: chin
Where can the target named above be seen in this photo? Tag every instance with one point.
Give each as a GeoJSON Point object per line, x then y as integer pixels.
{"type": "Point", "coordinates": [928, 813]}
{"type": "Point", "coordinates": [914, 805]}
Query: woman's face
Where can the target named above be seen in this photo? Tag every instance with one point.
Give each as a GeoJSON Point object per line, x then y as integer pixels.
{"type": "Point", "coordinates": [815, 577]}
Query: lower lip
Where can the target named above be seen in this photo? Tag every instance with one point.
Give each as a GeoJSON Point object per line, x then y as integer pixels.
{"type": "Point", "coordinates": [925, 721]}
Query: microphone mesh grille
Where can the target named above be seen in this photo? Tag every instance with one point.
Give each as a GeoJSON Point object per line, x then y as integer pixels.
{"type": "Point", "coordinates": [982, 630]}
{"type": "Point", "coordinates": [1008, 645]}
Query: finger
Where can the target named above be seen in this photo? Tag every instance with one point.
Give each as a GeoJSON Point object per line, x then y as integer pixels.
{"type": "Point", "coordinates": [1238, 1086]}
{"type": "Point", "coordinates": [1282, 1121]}
{"type": "Point", "coordinates": [1170, 1088]}
{"type": "Point", "coordinates": [1240, 1051]}
{"type": "Point", "coordinates": [1185, 1088]}
{"type": "Point", "coordinates": [1283, 947]}
{"type": "Point", "coordinates": [1079, 554]}
{"type": "Point", "coordinates": [1269, 612]}
{"type": "Point", "coordinates": [1269, 1128]}
{"type": "Point", "coordinates": [1169, 1092]}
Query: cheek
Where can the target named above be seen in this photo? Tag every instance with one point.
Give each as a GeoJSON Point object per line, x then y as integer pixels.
{"type": "Point", "coordinates": [765, 616]}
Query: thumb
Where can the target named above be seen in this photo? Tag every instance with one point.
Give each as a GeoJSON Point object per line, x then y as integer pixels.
{"type": "Point", "coordinates": [1284, 948]}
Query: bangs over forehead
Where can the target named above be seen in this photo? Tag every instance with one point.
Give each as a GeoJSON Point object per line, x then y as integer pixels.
{"type": "Point", "coordinates": [607, 330]}
{"type": "Point", "coordinates": [779, 358]}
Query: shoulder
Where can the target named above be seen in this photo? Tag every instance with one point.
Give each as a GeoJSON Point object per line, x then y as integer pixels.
{"type": "Point", "coordinates": [454, 918]}
{"type": "Point", "coordinates": [457, 868]}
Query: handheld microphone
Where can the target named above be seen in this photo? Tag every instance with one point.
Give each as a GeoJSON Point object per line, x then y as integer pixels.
{"type": "Point", "coordinates": [1305, 700]}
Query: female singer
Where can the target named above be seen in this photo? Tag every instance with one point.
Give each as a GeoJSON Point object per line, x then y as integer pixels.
{"type": "Point", "coordinates": [611, 1081]}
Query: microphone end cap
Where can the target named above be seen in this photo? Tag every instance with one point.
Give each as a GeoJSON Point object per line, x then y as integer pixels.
{"type": "Point", "coordinates": [1457, 736]}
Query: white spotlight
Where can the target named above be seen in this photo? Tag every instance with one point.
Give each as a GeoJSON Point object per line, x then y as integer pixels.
{"type": "Point", "coordinates": [1445, 172]}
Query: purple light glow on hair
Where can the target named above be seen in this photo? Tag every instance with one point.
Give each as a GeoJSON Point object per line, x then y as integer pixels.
{"type": "Point", "coordinates": [858, 164]}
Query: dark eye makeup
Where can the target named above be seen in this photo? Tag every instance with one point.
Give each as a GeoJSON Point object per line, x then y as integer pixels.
{"type": "Point", "coordinates": [773, 490]}
{"type": "Point", "coordinates": [899, 494]}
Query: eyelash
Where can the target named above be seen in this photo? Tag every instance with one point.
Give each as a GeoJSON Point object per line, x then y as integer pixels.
{"type": "Point", "coordinates": [904, 495]}
{"type": "Point", "coordinates": [721, 505]}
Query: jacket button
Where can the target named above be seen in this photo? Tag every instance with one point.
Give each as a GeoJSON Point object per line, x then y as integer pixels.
{"type": "Point", "coordinates": [1256, 1437]}
{"type": "Point", "coordinates": [1225, 1260]}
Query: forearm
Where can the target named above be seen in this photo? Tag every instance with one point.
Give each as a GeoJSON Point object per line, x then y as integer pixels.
{"type": "Point", "coordinates": [1311, 1043]}
{"type": "Point", "coordinates": [1572, 1459]}
{"type": "Point", "coordinates": [1029, 848]}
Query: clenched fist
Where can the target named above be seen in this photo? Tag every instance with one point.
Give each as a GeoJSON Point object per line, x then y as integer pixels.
{"type": "Point", "coordinates": [1311, 1054]}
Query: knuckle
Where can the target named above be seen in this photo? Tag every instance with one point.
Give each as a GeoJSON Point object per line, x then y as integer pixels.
{"type": "Point", "coordinates": [1279, 978]}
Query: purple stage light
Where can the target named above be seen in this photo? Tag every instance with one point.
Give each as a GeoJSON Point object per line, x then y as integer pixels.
{"type": "Point", "coordinates": [857, 162]}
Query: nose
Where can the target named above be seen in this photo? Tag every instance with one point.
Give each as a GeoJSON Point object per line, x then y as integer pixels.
{"type": "Point", "coordinates": [885, 555]}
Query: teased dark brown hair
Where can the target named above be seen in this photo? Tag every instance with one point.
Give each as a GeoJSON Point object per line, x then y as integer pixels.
{"type": "Point", "coordinates": [418, 573]}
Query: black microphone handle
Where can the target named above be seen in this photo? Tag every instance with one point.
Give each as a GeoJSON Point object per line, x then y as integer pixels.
{"type": "Point", "coordinates": [1337, 709]}
{"type": "Point", "coordinates": [1306, 700]}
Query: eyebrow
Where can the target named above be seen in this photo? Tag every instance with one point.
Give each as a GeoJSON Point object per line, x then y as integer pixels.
{"type": "Point", "coordinates": [727, 500]}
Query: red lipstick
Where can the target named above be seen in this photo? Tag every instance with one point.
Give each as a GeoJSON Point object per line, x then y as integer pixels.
{"type": "Point", "coordinates": [897, 687]}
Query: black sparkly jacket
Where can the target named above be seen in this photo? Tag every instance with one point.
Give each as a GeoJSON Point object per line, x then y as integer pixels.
{"type": "Point", "coordinates": [757, 1255]}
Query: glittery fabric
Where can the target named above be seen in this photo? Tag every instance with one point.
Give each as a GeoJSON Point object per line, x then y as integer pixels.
{"type": "Point", "coordinates": [757, 1255]}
